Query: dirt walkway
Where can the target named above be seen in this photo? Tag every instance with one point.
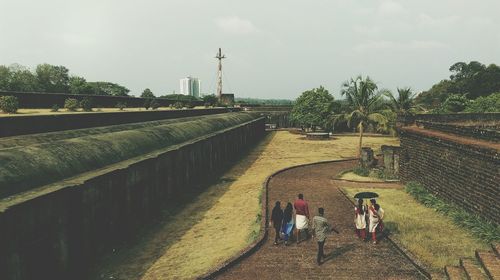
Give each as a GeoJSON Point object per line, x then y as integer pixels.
{"type": "Point", "coordinates": [348, 258]}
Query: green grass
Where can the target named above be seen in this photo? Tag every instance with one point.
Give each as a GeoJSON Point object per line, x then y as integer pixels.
{"type": "Point", "coordinates": [482, 229]}
{"type": "Point", "coordinates": [428, 234]}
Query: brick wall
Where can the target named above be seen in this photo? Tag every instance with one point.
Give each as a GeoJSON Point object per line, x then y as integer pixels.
{"type": "Point", "coordinates": [464, 174]}
{"type": "Point", "coordinates": [57, 232]}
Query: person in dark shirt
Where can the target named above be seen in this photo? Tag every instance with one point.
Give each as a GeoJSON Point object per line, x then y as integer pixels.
{"type": "Point", "coordinates": [287, 222]}
{"type": "Point", "coordinates": [276, 220]}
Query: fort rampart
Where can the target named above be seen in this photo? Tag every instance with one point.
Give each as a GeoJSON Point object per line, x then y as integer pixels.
{"type": "Point", "coordinates": [28, 124]}
{"type": "Point", "coordinates": [455, 158]}
{"type": "Point", "coordinates": [56, 231]}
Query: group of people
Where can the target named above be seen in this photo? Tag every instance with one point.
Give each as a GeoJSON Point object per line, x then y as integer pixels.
{"type": "Point", "coordinates": [283, 223]}
{"type": "Point", "coordinates": [372, 216]}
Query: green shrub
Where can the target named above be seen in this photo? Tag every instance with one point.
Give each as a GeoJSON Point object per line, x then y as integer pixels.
{"type": "Point", "coordinates": [86, 104]}
{"type": "Point", "coordinates": [361, 171]}
{"type": "Point", "coordinates": [9, 104]}
{"type": "Point", "coordinates": [490, 103]}
{"type": "Point", "coordinates": [121, 105]}
{"type": "Point", "coordinates": [147, 103]}
{"type": "Point", "coordinates": [154, 104]}
{"type": "Point", "coordinates": [479, 227]}
{"type": "Point", "coordinates": [178, 105]}
{"type": "Point", "coordinates": [71, 104]}
{"type": "Point", "coordinates": [55, 108]}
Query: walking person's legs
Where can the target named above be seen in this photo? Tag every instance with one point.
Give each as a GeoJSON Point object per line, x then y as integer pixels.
{"type": "Point", "coordinates": [277, 235]}
{"type": "Point", "coordinates": [321, 244]}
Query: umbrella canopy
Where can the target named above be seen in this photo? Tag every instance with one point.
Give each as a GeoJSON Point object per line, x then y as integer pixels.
{"type": "Point", "coordinates": [366, 195]}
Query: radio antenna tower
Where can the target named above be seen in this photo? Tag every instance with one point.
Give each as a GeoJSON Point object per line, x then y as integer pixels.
{"type": "Point", "coordinates": [220, 57]}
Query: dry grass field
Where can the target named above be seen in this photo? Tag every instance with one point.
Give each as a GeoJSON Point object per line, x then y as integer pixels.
{"type": "Point", "coordinates": [225, 218]}
{"type": "Point", "coordinates": [428, 235]}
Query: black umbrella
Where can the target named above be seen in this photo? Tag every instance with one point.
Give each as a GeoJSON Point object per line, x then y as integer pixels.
{"type": "Point", "coordinates": [365, 195]}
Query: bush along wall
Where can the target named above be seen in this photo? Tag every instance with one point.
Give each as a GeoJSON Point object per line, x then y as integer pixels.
{"type": "Point", "coordinates": [55, 232]}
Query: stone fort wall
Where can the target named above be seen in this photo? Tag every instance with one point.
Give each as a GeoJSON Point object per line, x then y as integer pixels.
{"type": "Point", "coordinates": [464, 169]}
{"type": "Point", "coordinates": [56, 232]}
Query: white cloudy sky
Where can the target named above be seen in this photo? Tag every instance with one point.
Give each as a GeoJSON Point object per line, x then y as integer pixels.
{"type": "Point", "coordinates": [275, 49]}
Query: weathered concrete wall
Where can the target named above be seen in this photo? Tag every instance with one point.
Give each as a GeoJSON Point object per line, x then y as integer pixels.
{"type": "Point", "coordinates": [29, 124]}
{"type": "Point", "coordinates": [47, 100]}
{"type": "Point", "coordinates": [468, 175]}
{"type": "Point", "coordinates": [57, 231]}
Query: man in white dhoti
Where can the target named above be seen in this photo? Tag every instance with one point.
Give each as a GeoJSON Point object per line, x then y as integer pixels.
{"type": "Point", "coordinates": [301, 216]}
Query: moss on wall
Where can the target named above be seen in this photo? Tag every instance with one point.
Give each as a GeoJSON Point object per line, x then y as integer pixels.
{"type": "Point", "coordinates": [26, 167]}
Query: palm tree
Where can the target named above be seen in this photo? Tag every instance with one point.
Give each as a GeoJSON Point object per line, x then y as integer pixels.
{"type": "Point", "coordinates": [362, 96]}
{"type": "Point", "coordinates": [404, 104]}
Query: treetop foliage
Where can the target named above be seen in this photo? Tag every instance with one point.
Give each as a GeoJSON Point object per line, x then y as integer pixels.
{"type": "Point", "coordinates": [471, 80]}
{"type": "Point", "coordinates": [313, 107]}
{"type": "Point", "coordinates": [53, 79]}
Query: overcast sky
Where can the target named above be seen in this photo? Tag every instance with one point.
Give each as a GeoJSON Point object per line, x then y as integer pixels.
{"type": "Point", "coordinates": [274, 49]}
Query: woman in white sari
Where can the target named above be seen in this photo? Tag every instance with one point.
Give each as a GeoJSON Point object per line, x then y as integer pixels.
{"type": "Point", "coordinates": [374, 220]}
{"type": "Point", "coordinates": [359, 219]}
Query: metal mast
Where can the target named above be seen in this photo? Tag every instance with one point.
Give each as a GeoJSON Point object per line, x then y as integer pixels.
{"type": "Point", "coordinates": [220, 57]}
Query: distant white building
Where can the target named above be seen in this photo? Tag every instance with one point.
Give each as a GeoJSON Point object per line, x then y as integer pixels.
{"type": "Point", "coordinates": [190, 86]}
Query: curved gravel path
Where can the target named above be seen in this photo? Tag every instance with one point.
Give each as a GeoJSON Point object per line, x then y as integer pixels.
{"type": "Point", "coordinates": [348, 258]}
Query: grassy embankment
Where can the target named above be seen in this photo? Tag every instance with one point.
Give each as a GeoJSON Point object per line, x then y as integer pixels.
{"type": "Point", "coordinates": [225, 219]}
{"type": "Point", "coordinates": [432, 237]}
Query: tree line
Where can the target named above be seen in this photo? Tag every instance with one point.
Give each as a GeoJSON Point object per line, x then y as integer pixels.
{"type": "Point", "coordinates": [472, 87]}
{"type": "Point", "coordinates": [54, 79]}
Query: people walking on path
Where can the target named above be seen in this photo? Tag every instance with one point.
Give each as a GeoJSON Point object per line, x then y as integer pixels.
{"type": "Point", "coordinates": [359, 219]}
{"type": "Point", "coordinates": [374, 219]}
{"type": "Point", "coordinates": [301, 216]}
{"type": "Point", "coordinates": [287, 222]}
{"type": "Point", "coordinates": [276, 220]}
{"type": "Point", "coordinates": [321, 228]}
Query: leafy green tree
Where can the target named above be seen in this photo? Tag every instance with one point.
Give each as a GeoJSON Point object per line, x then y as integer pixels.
{"type": "Point", "coordinates": [454, 103]}
{"type": "Point", "coordinates": [154, 104]}
{"type": "Point", "coordinates": [86, 104]}
{"type": "Point", "coordinates": [313, 108]}
{"type": "Point", "coordinates": [107, 88]}
{"type": "Point", "coordinates": [363, 96]}
{"type": "Point", "coordinates": [210, 100]}
{"type": "Point", "coordinates": [484, 104]}
{"type": "Point", "coordinates": [472, 79]}
{"type": "Point", "coordinates": [147, 93]}
{"type": "Point", "coordinates": [178, 105]}
{"type": "Point", "coordinates": [71, 104]}
{"type": "Point", "coordinates": [78, 85]}
{"type": "Point", "coordinates": [21, 79]}
{"type": "Point", "coordinates": [52, 78]}
{"type": "Point", "coordinates": [9, 104]}
{"type": "Point", "coordinates": [4, 77]}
